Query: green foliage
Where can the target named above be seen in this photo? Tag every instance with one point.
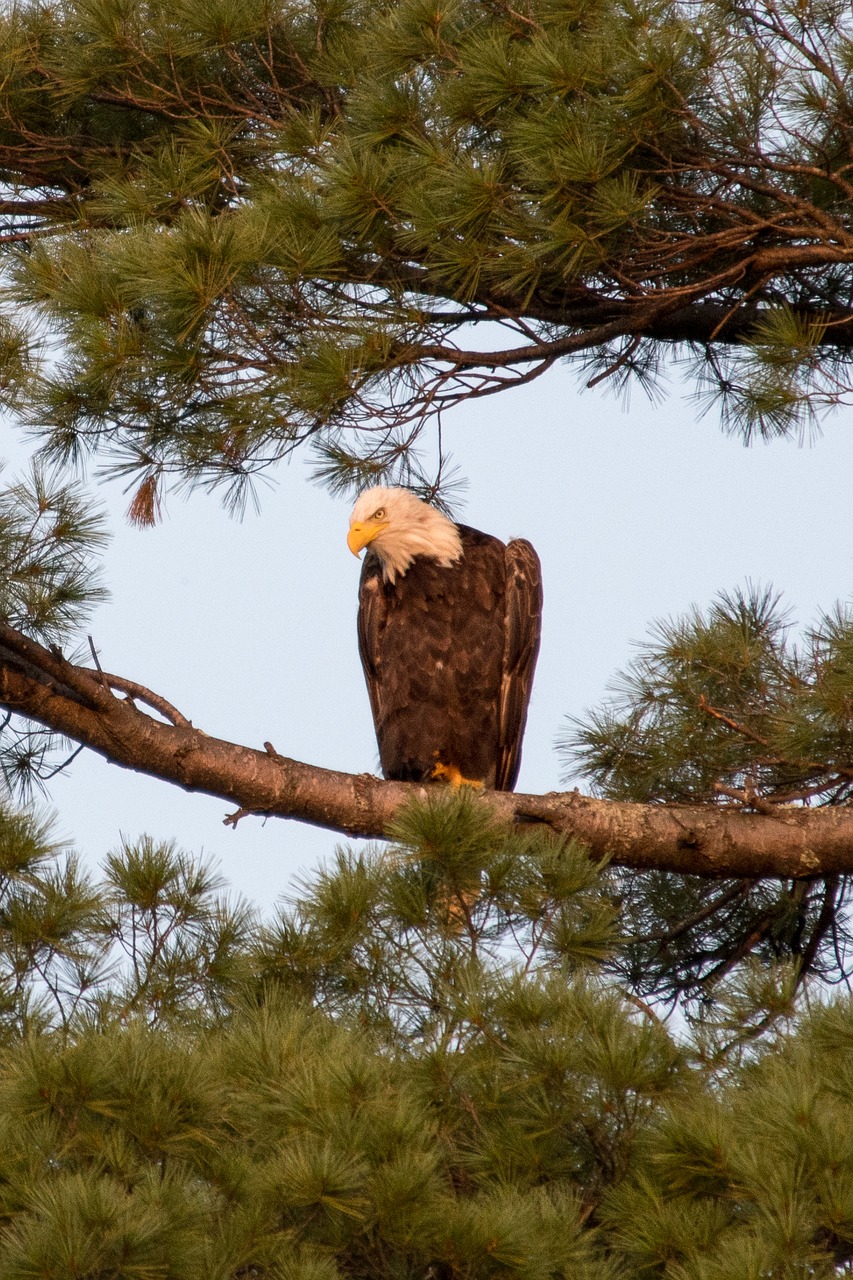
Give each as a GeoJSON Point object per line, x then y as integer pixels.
{"type": "Point", "coordinates": [413, 936]}
{"type": "Point", "coordinates": [181, 943]}
{"type": "Point", "coordinates": [50, 532]}
{"type": "Point", "coordinates": [247, 227]}
{"type": "Point", "coordinates": [757, 1180]}
{"type": "Point", "coordinates": [156, 940]}
{"type": "Point", "coordinates": [412, 1082]}
{"type": "Point", "coordinates": [50, 952]}
{"type": "Point", "coordinates": [722, 708]}
{"type": "Point", "coordinates": [232, 228]}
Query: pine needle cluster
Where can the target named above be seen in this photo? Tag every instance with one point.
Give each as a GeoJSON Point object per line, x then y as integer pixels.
{"type": "Point", "coordinates": [724, 708]}
{"type": "Point", "coordinates": [235, 229]}
{"type": "Point", "coordinates": [51, 533]}
{"type": "Point", "coordinates": [413, 937]}
{"type": "Point", "coordinates": [429, 1076]}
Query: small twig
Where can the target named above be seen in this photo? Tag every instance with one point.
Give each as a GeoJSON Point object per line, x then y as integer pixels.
{"type": "Point", "coordinates": [520, 17]}
{"type": "Point", "coordinates": [749, 798]}
{"type": "Point", "coordinates": [825, 920]}
{"type": "Point", "coordinates": [666, 936]}
{"type": "Point", "coordinates": [231, 819]}
{"type": "Point", "coordinates": [46, 777]}
{"type": "Point", "coordinates": [749, 941]}
{"type": "Point", "coordinates": [94, 654]}
{"type": "Point", "coordinates": [134, 691]}
{"type": "Point", "coordinates": [617, 364]}
{"type": "Point", "coordinates": [807, 793]}
{"type": "Point", "coordinates": [271, 751]}
{"type": "Point", "coordinates": [705, 706]}
{"type": "Point", "coordinates": [643, 1007]}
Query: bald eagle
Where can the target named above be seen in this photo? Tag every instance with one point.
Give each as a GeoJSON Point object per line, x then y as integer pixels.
{"type": "Point", "coordinates": [448, 632]}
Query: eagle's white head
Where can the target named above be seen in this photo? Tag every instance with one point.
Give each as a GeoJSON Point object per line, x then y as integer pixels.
{"type": "Point", "coordinates": [398, 526]}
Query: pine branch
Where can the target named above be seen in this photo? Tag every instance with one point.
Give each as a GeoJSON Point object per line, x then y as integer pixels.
{"type": "Point", "coordinates": [706, 840]}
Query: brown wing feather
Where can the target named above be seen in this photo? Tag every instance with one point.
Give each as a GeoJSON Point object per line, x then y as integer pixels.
{"type": "Point", "coordinates": [372, 610]}
{"type": "Point", "coordinates": [521, 646]}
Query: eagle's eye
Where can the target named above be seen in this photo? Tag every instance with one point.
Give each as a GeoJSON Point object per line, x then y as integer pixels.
{"type": "Point", "coordinates": [380, 514]}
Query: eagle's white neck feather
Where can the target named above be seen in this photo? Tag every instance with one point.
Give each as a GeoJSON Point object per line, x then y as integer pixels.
{"type": "Point", "coordinates": [414, 529]}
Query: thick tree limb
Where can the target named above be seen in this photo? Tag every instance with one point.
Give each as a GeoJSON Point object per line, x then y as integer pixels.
{"type": "Point", "coordinates": [708, 840]}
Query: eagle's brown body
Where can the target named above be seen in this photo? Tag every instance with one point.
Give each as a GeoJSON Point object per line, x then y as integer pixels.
{"type": "Point", "coordinates": [448, 654]}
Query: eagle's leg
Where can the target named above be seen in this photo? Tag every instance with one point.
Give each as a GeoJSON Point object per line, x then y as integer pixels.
{"type": "Point", "coordinates": [449, 773]}
{"type": "Point", "coordinates": [459, 903]}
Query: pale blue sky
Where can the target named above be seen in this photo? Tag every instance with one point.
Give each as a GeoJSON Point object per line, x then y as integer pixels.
{"type": "Point", "coordinates": [249, 628]}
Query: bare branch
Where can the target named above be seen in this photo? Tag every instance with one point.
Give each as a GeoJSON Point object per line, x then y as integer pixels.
{"type": "Point", "coordinates": [706, 840]}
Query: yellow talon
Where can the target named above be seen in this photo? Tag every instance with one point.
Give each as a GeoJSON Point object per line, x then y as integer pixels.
{"type": "Point", "coordinates": [449, 773]}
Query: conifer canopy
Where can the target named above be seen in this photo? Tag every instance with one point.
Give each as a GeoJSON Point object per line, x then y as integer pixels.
{"type": "Point", "coordinates": [231, 229]}
{"type": "Point", "coordinates": [378, 1083]}
{"type": "Point", "coordinates": [251, 225]}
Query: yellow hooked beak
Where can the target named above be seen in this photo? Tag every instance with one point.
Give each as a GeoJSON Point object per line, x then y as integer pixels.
{"type": "Point", "coordinates": [361, 535]}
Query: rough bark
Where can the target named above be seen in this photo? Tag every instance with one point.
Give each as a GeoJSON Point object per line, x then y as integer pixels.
{"type": "Point", "coordinates": [707, 840]}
